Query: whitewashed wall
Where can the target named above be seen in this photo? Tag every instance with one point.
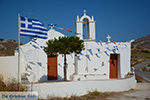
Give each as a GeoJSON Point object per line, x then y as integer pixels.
{"type": "Point", "coordinates": [90, 66]}
{"type": "Point", "coordinates": [9, 67]}
{"type": "Point", "coordinates": [98, 63]}
{"type": "Point", "coordinates": [34, 62]}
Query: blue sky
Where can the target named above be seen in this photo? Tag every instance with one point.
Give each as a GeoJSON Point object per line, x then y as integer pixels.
{"type": "Point", "coordinates": [123, 20]}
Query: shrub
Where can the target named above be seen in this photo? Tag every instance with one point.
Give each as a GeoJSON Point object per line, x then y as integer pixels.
{"type": "Point", "coordinates": [93, 94]}
{"type": "Point", "coordinates": [12, 85]}
{"type": "Point", "coordinates": [2, 84]}
{"type": "Point", "coordinates": [2, 49]}
{"type": "Point", "coordinates": [144, 69]}
{"type": "Point", "coordinates": [1, 39]}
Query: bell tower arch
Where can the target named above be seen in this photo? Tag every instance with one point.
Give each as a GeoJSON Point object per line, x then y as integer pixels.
{"type": "Point", "coordinates": [90, 25]}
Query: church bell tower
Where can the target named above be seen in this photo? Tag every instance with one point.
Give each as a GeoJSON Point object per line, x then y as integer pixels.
{"type": "Point", "coordinates": [85, 22]}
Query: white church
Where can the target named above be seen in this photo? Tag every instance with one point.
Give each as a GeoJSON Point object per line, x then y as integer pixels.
{"type": "Point", "coordinates": [98, 66]}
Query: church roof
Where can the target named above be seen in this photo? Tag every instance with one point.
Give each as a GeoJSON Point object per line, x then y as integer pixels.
{"type": "Point", "coordinates": [54, 34]}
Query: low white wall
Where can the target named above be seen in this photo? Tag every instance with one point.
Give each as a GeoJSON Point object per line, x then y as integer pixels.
{"type": "Point", "coordinates": [9, 66]}
{"type": "Point", "coordinates": [78, 88]}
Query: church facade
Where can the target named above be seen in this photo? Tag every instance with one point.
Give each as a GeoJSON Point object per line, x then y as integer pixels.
{"type": "Point", "coordinates": [98, 61]}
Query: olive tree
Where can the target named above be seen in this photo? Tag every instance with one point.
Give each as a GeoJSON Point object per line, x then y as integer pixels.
{"type": "Point", "coordinates": [64, 45]}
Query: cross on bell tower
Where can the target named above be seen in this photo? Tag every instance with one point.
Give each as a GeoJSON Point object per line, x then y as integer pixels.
{"type": "Point", "coordinates": [84, 12]}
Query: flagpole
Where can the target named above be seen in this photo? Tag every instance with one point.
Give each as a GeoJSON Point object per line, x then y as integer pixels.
{"type": "Point", "coordinates": [18, 50]}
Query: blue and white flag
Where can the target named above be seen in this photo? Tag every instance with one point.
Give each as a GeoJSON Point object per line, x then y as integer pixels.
{"type": "Point", "coordinates": [32, 28]}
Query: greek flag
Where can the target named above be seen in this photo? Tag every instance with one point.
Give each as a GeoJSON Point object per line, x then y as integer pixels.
{"type": "Point", "coordinates": [32, 28]}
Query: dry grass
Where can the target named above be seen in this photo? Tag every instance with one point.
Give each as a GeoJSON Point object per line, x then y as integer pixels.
{"type": "Point", "coordinates": [2, 84]}
{"type": "Point", "coordinates": [11, 85]}
{"type": "Point", "coordinates": [90, 96]}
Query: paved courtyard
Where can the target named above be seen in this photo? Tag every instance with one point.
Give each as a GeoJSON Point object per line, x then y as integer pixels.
{"type": "Point", "coordinates": [141, 92]}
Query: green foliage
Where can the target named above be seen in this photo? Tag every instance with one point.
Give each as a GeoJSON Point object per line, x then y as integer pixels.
{"type": "Point", "coordinates": [64, 45]}
{"type": "Point", "coordinates": [139, 81]}
{"type": "Point", "coordinates": [94, 93]}
{"type": "Point", "coordinates": [145, 69]}
{"type": "Point", "coordinates": [2, 49]}
{"type": "Point", "coordinates": [148, 65]}
{"type": "Point", "coordinates": [70, 44]}
{"type": "Point", "coordinates": [52, 47]}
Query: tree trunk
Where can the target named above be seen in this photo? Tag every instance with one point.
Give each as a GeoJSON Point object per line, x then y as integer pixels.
{"type": "Point", "coordinates": [65, 66]}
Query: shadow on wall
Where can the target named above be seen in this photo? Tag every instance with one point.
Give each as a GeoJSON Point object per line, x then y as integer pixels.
{"type": "Point", "coordinates": [106, 53]}
{"type": "Point", "coordinates": [29, 70]}
{"type": "Point", "coordinates": [28, 67]}
{"type": "Point", "coordinates": [40, 64]}
{"type": "Point", "coordinates": [43, 78]}
{"type": "Point", "coordinates": [37, 64]}
{"type": "Point", "coordinates": [78, 57]}
{"type": "Point", "coordinates": [60, 78]}
{"type": "Point", "coordinates": [114, 51]}
{"type": "Point", "coordinates": [88, 57]}
{"type": "Point", "coordinates": [60, 65]}
{"type": "Point", "coordinates": [97, 55]}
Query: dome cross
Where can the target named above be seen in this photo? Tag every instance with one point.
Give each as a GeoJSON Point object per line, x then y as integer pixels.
{"type": "Point", "coordinates": [51, 25]}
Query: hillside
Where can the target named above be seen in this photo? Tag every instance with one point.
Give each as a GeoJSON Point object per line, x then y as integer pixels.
{"type": "Point", "coordinates": [140, 50]}
{"type": "Point", "coordinates": [142, 42]}
{"type": "Point", "coordinates": [7, 47]}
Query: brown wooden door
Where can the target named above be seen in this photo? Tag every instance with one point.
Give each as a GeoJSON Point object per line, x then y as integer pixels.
{"type": "Point", "coordinates": [113, 66]}
{"type": "Point", "coordinates": [52, 68]}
